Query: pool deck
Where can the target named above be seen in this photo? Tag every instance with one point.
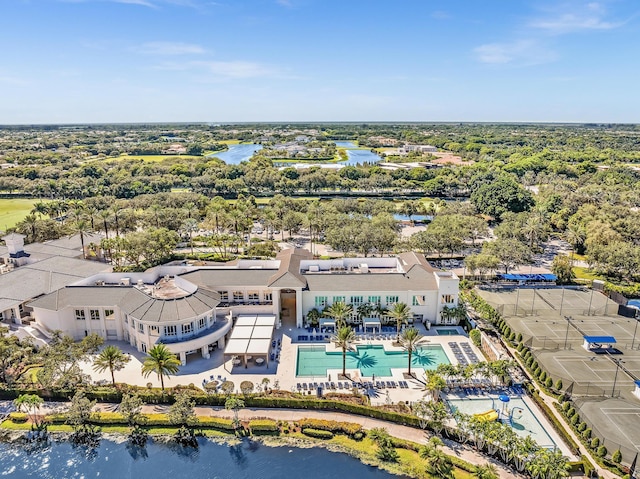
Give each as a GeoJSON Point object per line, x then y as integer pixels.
{"type": "Point", "coordinates": [283, 370]}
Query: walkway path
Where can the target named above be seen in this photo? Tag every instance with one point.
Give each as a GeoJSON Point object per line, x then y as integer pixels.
{"type": "Point", "coordinates": [402, 432]}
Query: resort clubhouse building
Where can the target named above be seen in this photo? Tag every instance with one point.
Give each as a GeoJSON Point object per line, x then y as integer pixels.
{"type": "Point", "coordinates": [193, 309]}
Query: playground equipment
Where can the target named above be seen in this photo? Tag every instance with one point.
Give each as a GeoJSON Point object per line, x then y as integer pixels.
{"type": "Point", "coordinates": [511, 414]}
{"type": "Point", "coordinates": [490, 415]}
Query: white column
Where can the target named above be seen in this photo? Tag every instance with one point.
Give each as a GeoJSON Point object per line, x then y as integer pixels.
{"type": "Point", "coordinates": [183, 358]}
{"type": "Point", "coordinates": [299, 308]}
{"type": "Point", "coordinates": [205, 352]}
{"type": "Point", "coordinates": [221, 342]}
{"type": "Point", "coordinates": [275, 296]}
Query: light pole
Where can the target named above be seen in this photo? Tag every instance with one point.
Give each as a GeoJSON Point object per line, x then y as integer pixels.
{"type": "Point", "coordinates": [634, 333]}
{"type": "Point", "coordinates": [615, 378]}
{"type": "Point", "coordinates": [566, 334]}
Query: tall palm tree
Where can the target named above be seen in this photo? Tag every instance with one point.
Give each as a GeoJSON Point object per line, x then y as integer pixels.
{"type": "Point", "coordinates": [344, 338]}
{"type": "Point", "coordinates": [105, 216]}
{"type": "Point", "coordinates": [410, 340]}
{"type": "Point", "coordinates": [339, 311]}
{"type": "Point", "coordinates": [111, 358]}
{"type": "Point", "coordinates": [401, 312]}
{"type": "Point", "coordinates": [434, 384]}
{"type": "Point", "coordinates": [160, 361]}
{"type": "Point", "coordinates": [82, 227]}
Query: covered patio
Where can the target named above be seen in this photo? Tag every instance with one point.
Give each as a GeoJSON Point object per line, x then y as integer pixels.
{"type": "Point", "coordinates": [327, 323]}
{"type": "Point", "coordinates": [251, 339]}
{"type": "Point", "coordinates": [373, 323]}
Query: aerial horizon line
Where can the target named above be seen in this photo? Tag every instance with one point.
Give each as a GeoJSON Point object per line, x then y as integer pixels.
{"type": "Point", "coordinates": [322, 122]}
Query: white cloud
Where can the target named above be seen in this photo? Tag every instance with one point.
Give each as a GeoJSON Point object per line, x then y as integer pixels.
{"type": "Point", "coordinates": [440, 15]}
{"type": "Point", "coordinates": [584, 17]}
{"type": "Point", "coordinates": [170, 48]}
{"type": "Point", "coordinates": [521, 52]}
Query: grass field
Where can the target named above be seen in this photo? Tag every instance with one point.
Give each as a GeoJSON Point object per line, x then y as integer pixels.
{"type": "Point", "coordinates": [153, 158]}
{"type": "Point", "coordinates": [14, 210]}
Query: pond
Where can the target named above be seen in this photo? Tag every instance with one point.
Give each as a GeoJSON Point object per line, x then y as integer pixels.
{"type": "Point", "coordinates": [247, 459]}
{"type": "Point", "coordinates": [357, 156]}
{"type": "Point", "coordinates": [237, 153]}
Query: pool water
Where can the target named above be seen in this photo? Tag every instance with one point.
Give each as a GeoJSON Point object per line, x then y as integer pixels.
{"type": "Point", "coordinates": [447, 332]}
{"type": "Point", "coordinates": [370, 360]}
{"type": "Point", "coordinates": [524, 421]}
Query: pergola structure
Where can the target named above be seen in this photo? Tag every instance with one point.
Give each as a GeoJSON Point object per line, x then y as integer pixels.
{"type": "Point", "coordinates": [327, 323]}
{"type": "Point", "coordinates": [372, 323]}
{"type": "Point", "coordinates": [251, 337]}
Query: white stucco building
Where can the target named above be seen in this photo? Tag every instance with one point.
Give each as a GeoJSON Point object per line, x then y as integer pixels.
{"type": "Point", "coordinates": [191, 308]}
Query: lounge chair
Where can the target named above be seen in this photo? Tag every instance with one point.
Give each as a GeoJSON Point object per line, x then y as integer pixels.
{"type": "Point", "coordinates": [304, 386]}
{"type": "Point", "coordinates": [298, 386]}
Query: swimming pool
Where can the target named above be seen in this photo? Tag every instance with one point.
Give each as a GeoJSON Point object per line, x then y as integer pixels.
{"type": "Point", "coordinates": [448, 332]}
{"type": "Point", "coordinates": [524, 421]}
{"type": "Point", "coordinates": [370, 360]}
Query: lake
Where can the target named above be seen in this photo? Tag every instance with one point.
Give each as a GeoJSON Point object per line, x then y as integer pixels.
{"type": "Point", "coordinates": [237, 153]}
{"type": "Point", "coordinates": [248, 459]}
{"type": "Point", "coordinates": [357, 156]}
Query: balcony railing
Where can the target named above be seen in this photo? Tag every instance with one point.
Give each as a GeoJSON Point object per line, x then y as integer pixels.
{"type": "Point", "coordinates": [219, 324]}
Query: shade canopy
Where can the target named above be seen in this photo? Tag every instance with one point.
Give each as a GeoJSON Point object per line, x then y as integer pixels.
{"type": "Point", "coordinates": [251, 336]}
{"type": "Point", "coordinates": [504, 398]}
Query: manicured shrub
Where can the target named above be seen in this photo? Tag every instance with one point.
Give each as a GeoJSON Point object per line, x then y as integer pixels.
{"type": "Point", "coordinates": [542, 376]}
{"type": "Point", "coordinates": [263, 425]}
{"type": "Point", "coordinates": [582, 427]}
{"type": "Point", "coordinates": [617, 457]}
{"type": "Point", "coordinates": [519, 337]}
{"type": "Point", "coordinates": [336, 427]}
{"type": "Point", "coordinates": [317, 433]}
{"type": "Point", "coordinates": [559, 385]}
{"type": "Point", "coordinates": [586, 434]}
{"type": "Point", "coordinates": [549, 382]}
{"type": "Point", "coordinates": [601, 452]}
{"type": "Point", "coordinates": [575, 420]}
{"type": "Point", "coordinates": [571, 412]}
{"type": "Point", "coordinates": [537, 372]}
{"type": "Point", "coordinates": [595, 442]}
{"type": "Point", "coordinates": [18, 417]}
{"type": "Point", "coordinates": [566, 406]}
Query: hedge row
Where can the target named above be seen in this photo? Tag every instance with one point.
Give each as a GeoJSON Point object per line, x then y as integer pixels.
{"type": "Point", "coordinates": [317, 433]}
{"type": "Point", "coordinates": [336, 427]}
{"type": "Point", "coordinates": [263, 425]}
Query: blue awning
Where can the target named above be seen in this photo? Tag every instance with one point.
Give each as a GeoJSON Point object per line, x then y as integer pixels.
{"type": "Point", "coordinates": [637, 383]}
{"type": "Point", "coordinates": [600, 339]}
{"type": "Point", "coordinates": [528, 277]}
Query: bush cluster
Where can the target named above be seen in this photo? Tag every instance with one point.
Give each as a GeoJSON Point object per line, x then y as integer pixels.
{"type": "Point", "coordinates": [317, 433]}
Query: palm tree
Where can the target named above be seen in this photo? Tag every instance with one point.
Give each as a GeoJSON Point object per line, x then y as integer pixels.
{"type": "Point", "coordinates": [485, 471]}
{"type": "Point", "coordinates": [344, 338]}
{"type": "Point", "coordinates": [31, 403]}
{"type": "Point", "coordinates": [111, 358]}
{"type": "Point", "coordinates": [401, 313]}
{"type": "Point", "coordinates": [160, 361]}
{"type": "Point", "coordinates": [434, 384]}
{"type": "Point", "coordinates": [105, 216]}
{"type": "Point", "coordinates": [339, 311]}
{"type": "Point", "coordinates": [82, 228]}
{"type": "Point", "coordinates": [438, 463]}
{"type": "Point", "coordinates": [410, 340]}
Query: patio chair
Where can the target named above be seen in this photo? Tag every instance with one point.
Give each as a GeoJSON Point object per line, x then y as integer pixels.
{"type": "Point", "coordinates": [333, 385]}
{"type": "Point", "coordinates": [298, 386]}
{"type": "Point", "coordinates": [304, 386]}
{"type": "Point", "coordinates": [340, 385]}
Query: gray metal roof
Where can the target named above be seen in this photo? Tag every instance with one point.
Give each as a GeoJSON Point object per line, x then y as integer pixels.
{"type": "Point", "coordinates": [228, 278]}
{"type": "Point", "coordinates": [131, 300]}
{"type": "Point", "coordinates": [33, 280]}
{"type": "Point", "coordinates": [370, 282]}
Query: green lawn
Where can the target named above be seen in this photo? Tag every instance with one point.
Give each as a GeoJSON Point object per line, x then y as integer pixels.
{"type": "Point", "coordinates": [13, 210]}
{"type": "Point", "coordinates": [585, 274]}
{"type": "Point", "coordinates": [153, 158]}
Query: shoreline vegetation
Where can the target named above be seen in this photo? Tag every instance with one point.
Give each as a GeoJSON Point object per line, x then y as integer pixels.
{"type": "Point", "coordinates": [270, 433]}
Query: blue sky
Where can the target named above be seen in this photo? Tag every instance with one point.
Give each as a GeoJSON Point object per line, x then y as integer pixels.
{"type": "Point", "coordinates": [68, 61]}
